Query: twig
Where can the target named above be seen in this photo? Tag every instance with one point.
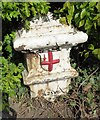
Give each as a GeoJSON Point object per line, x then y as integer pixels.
{"type": "Point", "coordinates": [87, 78]}
{"type": "Point", "coordinates": [94, 72]}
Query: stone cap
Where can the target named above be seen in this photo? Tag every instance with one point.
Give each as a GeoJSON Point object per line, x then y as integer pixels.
{"type": "Point", "coordinates": [48, 34]}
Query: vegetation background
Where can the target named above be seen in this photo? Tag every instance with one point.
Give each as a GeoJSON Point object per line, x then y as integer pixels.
{"type": "Point", "coordinates": [84, 94]}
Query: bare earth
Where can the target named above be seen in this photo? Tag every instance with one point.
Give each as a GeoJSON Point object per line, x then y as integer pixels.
{"type": "Point", "coordinates": [39, 108]}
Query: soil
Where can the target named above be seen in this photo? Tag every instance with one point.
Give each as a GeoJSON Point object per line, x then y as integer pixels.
{"type": "Point", "coordinates": [38, 108]}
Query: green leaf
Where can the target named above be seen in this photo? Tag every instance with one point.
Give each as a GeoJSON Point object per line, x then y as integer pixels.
{"type": "Point", "coordinates": [96, 53]}
{"type": "Point", "coordinates": [67, 4]}
{"type": "Point", "coordinates": [33, 11]}
{"type": "Point", "coordinates": [96, 17]}
{"type": "Point", "coordinates": [83, 5]}
{"type": "Point", "coordinates": [8, 48]}
{"type": "Point", "coordinates": [88, 14]}
{"type": "Point", "coordinates": [98, 6]}
{"type": "Point", "coordinates": [95, 25]}
{"type": "Point", "coordinates": [91, 47]}
{"type": "Point", "coordinates": [83, 13]}
{"type": "Point", "coordinates": [77, 20]}
{"type": "Point", "coordinates": [63, 20]}
{"type": "Point", "coordinates": [86, 54]}
{"type": "Point", "coordinates": [92, 4]}
{"type": "Point", "coordinates": [71, 10]}
{"type": "Point", "coordinates": [81, 23]}
{"type": "Point", "coordinates": [99, 56]}
{"type": "Point", "coordinates": [12, 93]}
{"type": "Point", "coordinates": [69, 18]}
{"type": "Point", "coordinates": [88, 24]}
{"type": "Point", "coordinates": [74, 65]}
{"type": "Point", "coordinates": [27, 10]}
{"type": "Point", "coordinates": [98, 20]}
{"type": "Point", "coordinates": [27, 23]}
{"type": "Point", "coordinates": [76, 15]}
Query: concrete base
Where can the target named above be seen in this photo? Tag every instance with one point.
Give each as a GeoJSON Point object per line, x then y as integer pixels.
{"type": "Point", "coordinates": [50, 90]}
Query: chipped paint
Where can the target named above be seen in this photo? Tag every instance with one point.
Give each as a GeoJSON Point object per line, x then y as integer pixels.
{"type": "Point", "coordinates": [49, 84]}
{"type": "Point", "coordinates": [48, 42]}
{"type": "Point", "coordinates": [48, 34]}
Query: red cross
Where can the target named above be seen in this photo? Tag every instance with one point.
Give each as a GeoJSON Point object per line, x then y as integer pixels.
{"type": "Point", "coordinates": [50, 61]}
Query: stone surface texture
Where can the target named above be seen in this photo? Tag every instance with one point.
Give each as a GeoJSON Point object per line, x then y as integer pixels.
{"type": "Point", "coordinates": [48, 42]}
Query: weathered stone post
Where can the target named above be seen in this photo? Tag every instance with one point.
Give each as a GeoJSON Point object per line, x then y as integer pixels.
{"type": "Point", "coordinates": [47, 48]}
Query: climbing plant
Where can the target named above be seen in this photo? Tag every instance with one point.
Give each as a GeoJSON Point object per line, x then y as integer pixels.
{"type": "Point", "coordinates": [83, 96]}
{"type": "Point", "coordinates": [86, 17]}
{"type": "Point", "coordinates": [15, 15]}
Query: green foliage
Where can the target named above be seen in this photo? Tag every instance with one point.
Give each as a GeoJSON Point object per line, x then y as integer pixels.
{"type": "Point", "coordinates": [22, 11]}
{"type": "Point", "coordinates": [15, 15]}
{"type": "Point", "coordinates": [7, 43]}
{"type": "Point", "coordinates": [85, 16]}
{"type": "Point", "coordinates": [10, 76]}
{"type": "Point", "coordinates": [96, 52]}
{"type": "Point", "coordinates": [83, 95]}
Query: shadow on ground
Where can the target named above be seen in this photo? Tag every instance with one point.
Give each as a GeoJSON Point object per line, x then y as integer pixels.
{"type": "Point", "coordinates": [9, 114]}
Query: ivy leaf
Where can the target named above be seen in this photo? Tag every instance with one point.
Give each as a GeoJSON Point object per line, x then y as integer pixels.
{"type": "Point", "coordinates": [91, 47]}
{"type": "Point", "coordinates": [83, 13]}
{"type": "Point", "coordinates": [92, 4]}
{"type": "Point", "coordinates": [96, 17]}
{"type": "Point", "coordinates": [88, 24]}
{"type": "Point", "coordinates": [77, 20]}
{"type": "Point", "coordinates": [27, 10]}
{"type": "Point", "coordinates": [27, 23]}
{"type": "Point", "coordinates": [95, 25]}
{"type": "Point", "coordinates": [83, 5]}
{"type": "Point", "coordinates": [69, 18]}
{"type": "Point", "coordinates": [86, 55]}
{"type": "Point", "coordinates": [33, 11]}
{"type": "Point", "coordinates": [63, 20]}
{"type": "Point", "coordinates": [98, 6]}
{"type": "Point", "coordinates": [99, 56]}
{"type": "Point", "coordinates": [12, 93]}
{"type": "Point", "coordinates": [8, 48]}
{"type": "Point", "coordinates": [76, 15]}
{"type": "Point", "coordinates": [8, 17]}
{"type": "Point", "coordinates": [71, 10]}
{"type": "Point", "coordinates": [96, 52]}
{"type": "Point", "coordinates": [67, 5]}
{"type": "Point", "coordinates": [74, 65]}
{"type": "Point", "coordinates": [81, 23]}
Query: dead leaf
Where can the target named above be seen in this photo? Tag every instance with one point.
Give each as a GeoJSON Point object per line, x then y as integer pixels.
{"type": "Point", "coordinates": [87, 87]}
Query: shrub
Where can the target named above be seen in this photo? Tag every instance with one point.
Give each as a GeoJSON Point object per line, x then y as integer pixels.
{"type": "Point", "coordinates": [86, 17]}
{"type": "Point", "coordinates": [15, 15]}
